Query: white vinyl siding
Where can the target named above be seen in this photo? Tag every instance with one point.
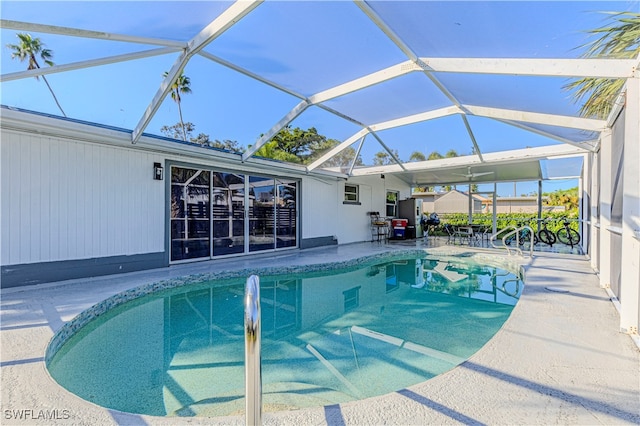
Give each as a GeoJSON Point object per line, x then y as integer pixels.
{"type": "Point", "coordinates": [66, 199]}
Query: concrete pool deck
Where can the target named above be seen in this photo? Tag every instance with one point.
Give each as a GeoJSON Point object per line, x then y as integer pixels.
{"type": "Point", "coordinates": [559, 358]}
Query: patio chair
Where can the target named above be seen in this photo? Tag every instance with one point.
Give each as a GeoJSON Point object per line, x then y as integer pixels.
{"type": "Point", "coordinates": [464, 233]}
{"type": "Point", "coordinates": [379, 227]}
{"type": "Point", "coordinates": [451, 233]}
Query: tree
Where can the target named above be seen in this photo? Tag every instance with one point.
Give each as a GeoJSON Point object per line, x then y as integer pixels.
{"type": "Point", "coordinates": [619, 40]}
{"type": "Point", "coordinates": [383, 158]}
{"type": "Point", "coordinates": [435, 155]}
{"type": "Point", "coordinates": [181, 85]}
{"type": "Point", "coordinates": [28, 49]}
{"type": "Point", "coordinates": [296, 145]}
{"type": "Point", "coordinates": [417, 156]}
{"type": "Point", "coordinates": [567, 198]}
{"type": "Point", "coordinates": [179, 130]}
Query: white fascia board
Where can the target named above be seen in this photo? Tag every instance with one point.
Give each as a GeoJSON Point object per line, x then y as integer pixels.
{"type": "Point", "coordinates": [536, 153]}
{"type": "Point", "coordinates": [605, 68]}
{"type": "Point", "coordinates": [75, 32]}
{"type": "Point", "coordinates": [217, 27]}
{"type": "Point", "coordinates": [338, 148]}
{"type": "Point", "coordinates": [54, 127]}
{"type": "Point", "coordinates": [374, 170]}
{"type": "Point", "coordinates": [50, 126]}
{"type": "Point", "coordinates": [416, 118]}
{"type": "Point", "coordinates": [291, 115]}
{"type": "Point", "coordinates": [87, 64]}
{"type": "Point", "coordinates": [363, 82]}
{"type": "Point", "coordinates": [535, 117]}
{"type": "Point", "coordinates": [443, 163]}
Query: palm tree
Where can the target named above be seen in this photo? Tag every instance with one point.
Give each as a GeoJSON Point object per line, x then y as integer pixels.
{"type": "Point", "coordinates": [180, 85]}
{"type": "Point", "coordinates": [29, 48]}
{"type": "Point", "coordinates": [417, 156]}
{"type": "Point", "coordinates": [620, 40]}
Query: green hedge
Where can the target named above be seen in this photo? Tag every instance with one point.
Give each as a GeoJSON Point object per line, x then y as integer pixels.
{"type": "Point", "coordinates": [504, 220]}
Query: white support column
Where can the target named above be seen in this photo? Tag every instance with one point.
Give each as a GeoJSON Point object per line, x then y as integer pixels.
{"type": "Point", "coordinates": [594, 228]}
{"type": "Point", "coordinates": [605, 209]}
{"type": "Point", "coordinates": [583, 203]}
{"type": "Point", "coordinates": [494, 215]}
{"type": "Point", "coordinates": [630, 272]}
{"type": "Point", "coordinates": [470, 220]}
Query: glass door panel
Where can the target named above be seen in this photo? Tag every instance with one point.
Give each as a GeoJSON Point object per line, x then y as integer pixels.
{"type": "Point", "coordinates": [261, 213]}
{"type": "Point", "coordinates": [190, 213]}
{"type": "Point", "coordinates": [286, 213]}
{"type": "Point", "coordinates": [227, 206]}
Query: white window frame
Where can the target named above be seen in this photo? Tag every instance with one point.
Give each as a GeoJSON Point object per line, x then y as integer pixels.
{"type": "Point", "coordinates": [388, 204]}
{"type": "Point", "coordinates": [351, 197]}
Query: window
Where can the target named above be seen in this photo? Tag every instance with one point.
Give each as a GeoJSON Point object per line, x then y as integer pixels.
{"type": "Point", "coordinates": [392, 203]}
{"type": "Point", "coordinates": [351, 193]}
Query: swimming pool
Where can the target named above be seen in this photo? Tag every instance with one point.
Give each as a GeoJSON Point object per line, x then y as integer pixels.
{"type": "Point", "coordinates": [333, 334]}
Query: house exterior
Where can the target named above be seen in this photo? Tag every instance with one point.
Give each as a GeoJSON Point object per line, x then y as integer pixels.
{"type": "Point", "coordinates": [458, 202]}
{"type": "Point", "coordinates": [81, 200]}
{"type": "Point", "coordinates": [453, 201]}
{"type": "Point", "coordinates": [519, 205]}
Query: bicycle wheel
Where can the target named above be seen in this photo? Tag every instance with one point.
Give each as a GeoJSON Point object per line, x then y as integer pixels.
{"type": "Point", "coordinates": [568, 236]}
{"type": "Point", "coordinates": [526, 236]}
{"type": "Point", "coordinates": [547, 237]}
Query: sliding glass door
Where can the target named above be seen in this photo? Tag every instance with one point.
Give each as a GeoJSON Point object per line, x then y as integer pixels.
{"type": "Point", "coordinates": [286, 212]}
{"type": "Point", "coordinates": [216, 213]}
{"type": "Point", "coordinates": [261, 213]}
{"type": "Point", "coordinates": [227, 207]}
{"type": "Point", "coordinates": [190, 213]}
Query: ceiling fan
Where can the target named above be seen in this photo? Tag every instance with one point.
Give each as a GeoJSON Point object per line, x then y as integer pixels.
{"type": "Point", "coordinates": [470, 175]}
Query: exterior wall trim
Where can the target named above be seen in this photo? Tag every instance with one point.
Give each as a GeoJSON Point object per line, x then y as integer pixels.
{"type": "Point", "coordinates": [45, 272]}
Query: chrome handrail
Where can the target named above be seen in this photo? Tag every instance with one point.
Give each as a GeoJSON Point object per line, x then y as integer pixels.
{"type": "Point", "coordinates": [517, 232]}
{"type": "Point", "coordinates": [252, 355]}
{"type": "Point", "coordinates": [517, 247]}
{"type": "Point", "coordinates": [514, 231]}
{"type": "Point", "coordinates": [493, 237]}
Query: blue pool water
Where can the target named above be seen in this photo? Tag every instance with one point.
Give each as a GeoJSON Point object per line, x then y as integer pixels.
{"type": "Point", "coordinates": [327, 338]}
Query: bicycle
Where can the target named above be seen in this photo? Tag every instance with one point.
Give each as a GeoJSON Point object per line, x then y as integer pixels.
{"type": "Point", "coordinates": [524, 236]}
{"type": "Point", "coordinates": [566, 235]}
{"type": "Point", "coordinates": [545, 235]}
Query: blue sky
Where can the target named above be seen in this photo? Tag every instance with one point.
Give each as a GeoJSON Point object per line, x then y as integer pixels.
{"type": "Point", "coordinates": [307, 47]}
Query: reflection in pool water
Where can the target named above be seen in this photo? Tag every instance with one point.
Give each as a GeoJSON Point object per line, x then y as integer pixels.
{"type": "Point", "coordinates": [326, 339]}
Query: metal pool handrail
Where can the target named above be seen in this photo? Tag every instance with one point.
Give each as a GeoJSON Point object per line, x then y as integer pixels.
{"type": "Point", "coordinates": [494, 236]}
{"type": "Point", "coordinates": [514, 231]}
{"type": "Point", "coordinates": [252, 352]}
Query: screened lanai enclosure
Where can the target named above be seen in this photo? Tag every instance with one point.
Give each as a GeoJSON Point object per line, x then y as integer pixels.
{"type": "Point", "coordinates": [140, 134]}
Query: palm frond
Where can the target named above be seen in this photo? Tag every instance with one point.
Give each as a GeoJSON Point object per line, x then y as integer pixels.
{"type": "Point", "coordinates": [619, 40]}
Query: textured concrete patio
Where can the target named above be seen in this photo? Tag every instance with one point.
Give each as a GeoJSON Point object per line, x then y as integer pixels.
{"type": "Point", "coordinates": [559, 358]}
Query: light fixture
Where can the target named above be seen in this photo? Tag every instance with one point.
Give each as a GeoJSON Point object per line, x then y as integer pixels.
{"type": "Point", "coordinates": [157, 171]}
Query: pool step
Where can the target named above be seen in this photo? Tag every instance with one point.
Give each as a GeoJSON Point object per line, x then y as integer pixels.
{"type": "Point", "coordinates": [279, 396]}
